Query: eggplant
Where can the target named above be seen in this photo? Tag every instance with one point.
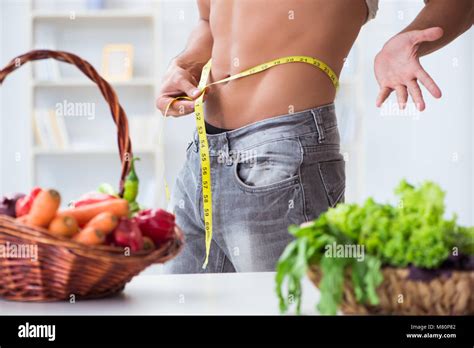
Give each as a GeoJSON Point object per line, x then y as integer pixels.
{"type": "Point", "coordinates": [8, 202]}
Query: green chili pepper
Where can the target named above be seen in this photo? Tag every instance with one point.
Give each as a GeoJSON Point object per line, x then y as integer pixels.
{"type": "Point", "coordinates": [134, 208]}
{"type": "Point", "coordinates": [131, 183]}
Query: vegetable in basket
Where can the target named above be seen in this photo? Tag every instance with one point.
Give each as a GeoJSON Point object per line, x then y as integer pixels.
{"type": "Point", "coordinates": [148, 244]}
{"type": "Point", "coordinates": [44, 208]}
{"type": "Point", "coordinates": [90, 236]}
{"type": "Point", "coordinates": [65, 226]}
{"type": "Point", "coordinates": [24, 204]}
{"type": "Point", "coordinates": [414, 233]}
{"type": "Point", "coordinates": [96, 217]}
{"type": "Point", "coordinates": [8, 204]}
{"type": "Point", "coordinates": [131, 186]}
{"type": "Point", "coordinates": [127, 234]}
{"type": "Point", "coordinates": [107, 189]}
{"type": "Point", "coordinates": [83, 214]}
{"type": "Point", "coordinates": [157, 224]}
{"type": "Point", "coordinates": [92, 197]}
{"type": "Point", "coordinates": [105, 222]}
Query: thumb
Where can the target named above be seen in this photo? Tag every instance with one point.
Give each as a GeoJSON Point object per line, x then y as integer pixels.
{"type": "Point", "coordinates": [189, 88]}
{"type": "Point", "coordinates": [430, 34]}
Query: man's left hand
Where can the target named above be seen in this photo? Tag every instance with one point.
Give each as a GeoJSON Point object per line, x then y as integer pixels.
{"type": "Point", "coordinates": [397, 68]}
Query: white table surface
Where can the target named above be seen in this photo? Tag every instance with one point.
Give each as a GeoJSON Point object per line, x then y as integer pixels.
{"type": "Point", "coordinates": [192, 294]}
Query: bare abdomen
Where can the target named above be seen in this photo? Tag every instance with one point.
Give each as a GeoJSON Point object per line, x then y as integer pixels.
{"type": "Point", "coordinates": [250, 37]}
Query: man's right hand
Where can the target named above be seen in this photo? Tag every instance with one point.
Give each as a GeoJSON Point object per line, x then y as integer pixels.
{"type": "Point", "coordinates": [178, 82]}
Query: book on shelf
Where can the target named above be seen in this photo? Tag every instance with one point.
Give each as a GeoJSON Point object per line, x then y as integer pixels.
{"type": "Point", "coordinates": [41, 129]}
{"type": "Point", "coordinates": [58, 126]}
{"type": "Point", "coordinates": [50, 130]}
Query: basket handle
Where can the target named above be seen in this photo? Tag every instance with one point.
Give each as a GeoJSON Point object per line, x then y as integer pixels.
{"type": "Point", "coordinates": [118, 114]}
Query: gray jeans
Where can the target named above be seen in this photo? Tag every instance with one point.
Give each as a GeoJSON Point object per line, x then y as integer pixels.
{"type": "Point", "coordinates": [265, 176]}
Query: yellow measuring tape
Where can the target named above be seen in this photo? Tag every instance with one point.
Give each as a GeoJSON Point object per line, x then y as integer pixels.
{"type": "Point", "coordinates": [201, 128]}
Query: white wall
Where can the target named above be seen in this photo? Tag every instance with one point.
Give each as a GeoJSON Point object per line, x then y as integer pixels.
{"type": "Point", "coordinates": [14, 94]}
{"type": "Point", "coordinates": [436, 144]}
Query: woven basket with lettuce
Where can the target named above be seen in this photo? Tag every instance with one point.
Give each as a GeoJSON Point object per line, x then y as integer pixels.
{"type": "Point", "coordinates": [414, 260]}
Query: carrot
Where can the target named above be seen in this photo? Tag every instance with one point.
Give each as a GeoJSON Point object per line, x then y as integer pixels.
{"type": "Point", "coordinates": [106, 222]}
{"type": "Point", "coordinates": [65, 226]}
{"type": "Point", "coordinates": [90, 236]}
{"type": "Point", "coordinates": [44, 208]}
{"type": "Point", "coordinates": [85, 213]}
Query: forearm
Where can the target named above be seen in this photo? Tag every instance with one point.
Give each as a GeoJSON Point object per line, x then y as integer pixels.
{"type": "Point", "coordinates": [199, 47]}
{"type": "Point", "coordinates": [454, 17]}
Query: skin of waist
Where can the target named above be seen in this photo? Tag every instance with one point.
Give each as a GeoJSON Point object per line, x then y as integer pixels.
{"type": "Point", "coordinates": [280, 90]}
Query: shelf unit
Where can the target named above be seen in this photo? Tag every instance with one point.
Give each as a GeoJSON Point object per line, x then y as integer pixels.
{"type": "Point", "coordinates": [84, 82]}
{"type": "Point", "coordinates": [59, 152]}
{"type": "Point", "coordinates": [148, 81]}
{"type": "Point", "coordinates": [91, 14]}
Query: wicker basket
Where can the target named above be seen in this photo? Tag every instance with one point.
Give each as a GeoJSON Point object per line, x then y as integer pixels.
{"type": "Point", "coordinates": [442, 295]}
{"type": "Point", "coordinates": [64, 268]}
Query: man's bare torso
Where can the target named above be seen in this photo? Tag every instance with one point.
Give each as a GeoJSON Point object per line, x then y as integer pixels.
{"type": "Point", "coordinates": [251, 32]}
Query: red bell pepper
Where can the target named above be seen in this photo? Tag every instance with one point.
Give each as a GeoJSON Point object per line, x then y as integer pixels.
{"type": "Point", "coordinates": [127, 234]}
{"type": "Point", "coordinates": [92, 197]}
{"type": "Point", "coordinates": [156, 224]}
{"type": "Point", "coordinates": [23, 205]}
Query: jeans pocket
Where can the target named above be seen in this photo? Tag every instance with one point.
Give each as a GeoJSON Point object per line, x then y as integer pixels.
{"type": "Point", "coordinates": [270, 165]}
{"type": "Point", "coordinates": [334, 180]}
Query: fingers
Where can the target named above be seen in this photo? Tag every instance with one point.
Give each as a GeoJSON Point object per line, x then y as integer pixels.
{"type": "Point", "coordinates": [181, 108]}
{"type": "Point", "coordinates": [186, 83]}
{"type": "Point", "coordinates": [416, 95]}
{"type": "Point", "coordinates": [430, 34]}
{"type": "Point", "coordinates": [429, 83]}
{"type": "Point", "coordinates": [162, 103]}
{"type": "Point", "coordinates": [179, 83]}
{"type": "Point", "coordinates": [176, 108]}
{"type": "Point", "coordinates": [402, 96]}
{"type": "Point", "coordinates": [383, 95]}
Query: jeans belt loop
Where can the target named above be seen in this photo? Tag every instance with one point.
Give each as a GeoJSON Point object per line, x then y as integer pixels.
{"type": "Point", "coordinates": [318, 121]}
{"type": "Point", "coordinates": [196, 143]}
{"type": "Point", "coordinates": [229, 161]}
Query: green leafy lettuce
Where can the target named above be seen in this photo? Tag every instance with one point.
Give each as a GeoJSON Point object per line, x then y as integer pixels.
{"type": "Point", "coordinates": [412, 232]}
